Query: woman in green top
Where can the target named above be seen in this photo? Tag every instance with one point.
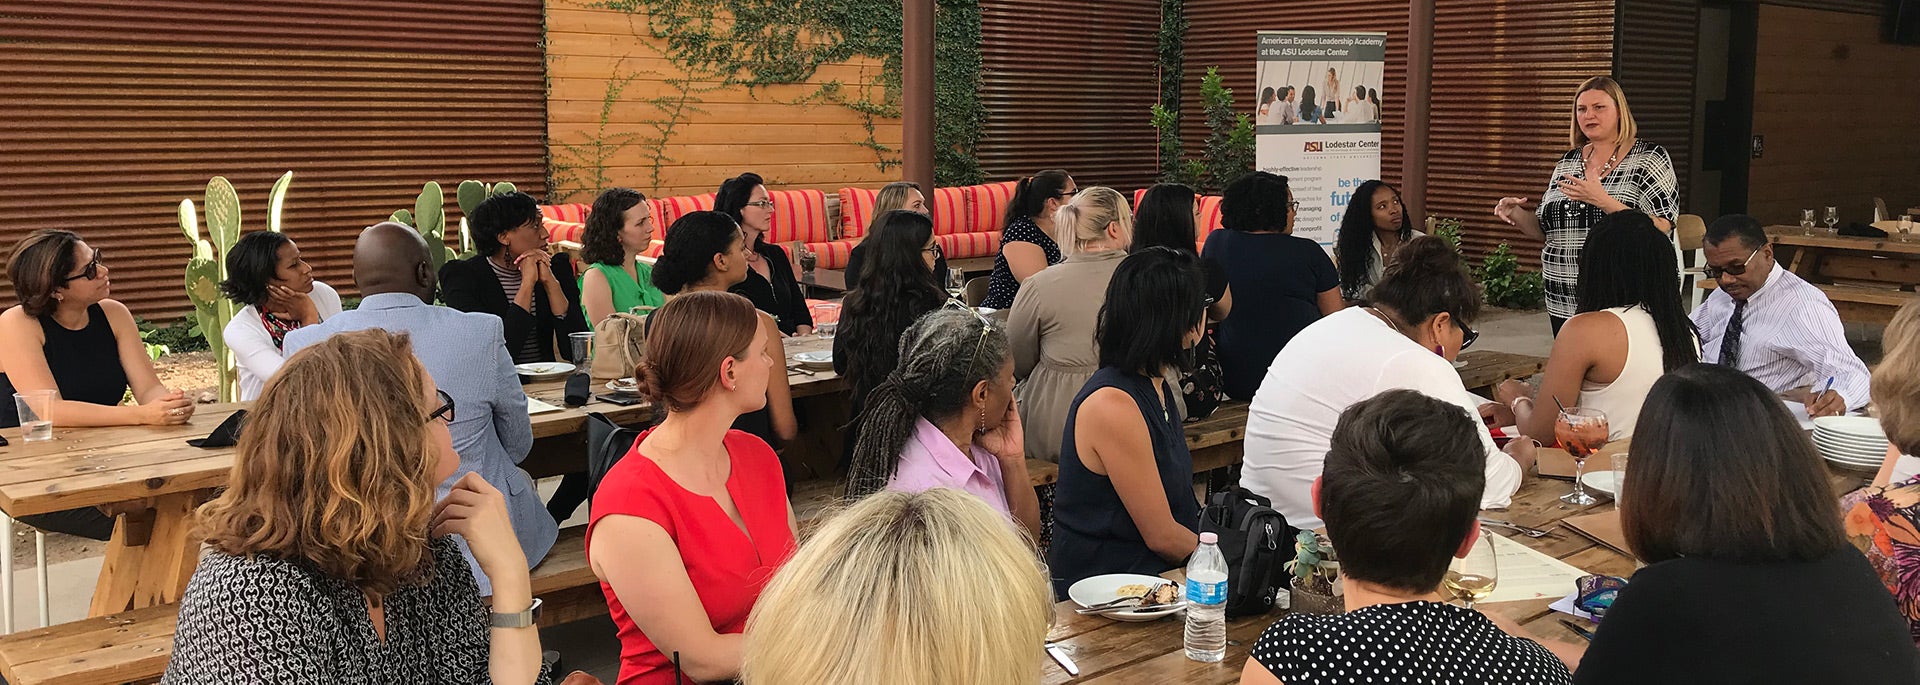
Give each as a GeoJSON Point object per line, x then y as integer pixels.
{"type": "Point", "coordinates": [619, 228]}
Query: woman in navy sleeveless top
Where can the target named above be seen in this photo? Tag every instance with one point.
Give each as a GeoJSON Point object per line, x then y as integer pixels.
{"type": "Point", "coordinates": [1125, 501]}
{"type": "Point", "coordinates": [65, 335]}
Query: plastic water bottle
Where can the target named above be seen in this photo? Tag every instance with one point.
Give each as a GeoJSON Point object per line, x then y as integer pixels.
{"type": "Point", "coordinates": [1207, 601]}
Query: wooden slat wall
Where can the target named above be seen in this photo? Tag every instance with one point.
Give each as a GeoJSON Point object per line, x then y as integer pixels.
{"type": "Point", "coordinates": [1221, 34]}
{"type": "Point", "coordinates": [725, 132]}
{"type": "Point", "coordinates": [1657, 49]}
{"type": "Point", "coordinates": [1503, 79]}
{"type": "Point", "coordinates": [1836, 105]}
{"type": "Point", "coordinates": [1070, 85]}
{"type": "Point", "coordinates": [116, 111]}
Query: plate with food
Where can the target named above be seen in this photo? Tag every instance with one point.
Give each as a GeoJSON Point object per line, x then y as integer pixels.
{"type": "Point", "coordinates": [818, 361]}
{"type": "Point", "coordinates": [623, 386]}
{"type": "Point", "coordinates": [1152, 596]}
{"type": "Point", "coordinates": [543, 370]}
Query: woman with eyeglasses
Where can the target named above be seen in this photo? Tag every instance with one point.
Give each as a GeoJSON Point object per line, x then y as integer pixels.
{"type": "Point", "coordinates": [1125, 502]}
{"type": "Point", "coordinates": [67, 336]}
{"type": "Point", "coordinates": [1027, 243]}
{"type": "Point", "coordinates": [277, 294]}
{"type": "Point", "coordinates": [945, 417]}
{"type": "Point", "coordinates": [769, 282]}
{"type": "Point", "coordinates": [328, 559]}
{"type": "Point", "coordinates": [1281, 282]}
{"type": "Point", "coordinates": [689, 526]}
{"type": "Point", "coordinates": [1052, 323]}
{"type": "Point", "coordinates": [1419, 320]}
{"type": "Point", "coordinates": [899, 289]}
{"type": "Point", "coordinates": [1631, 329]}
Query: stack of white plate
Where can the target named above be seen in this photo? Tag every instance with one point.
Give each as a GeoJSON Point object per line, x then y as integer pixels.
{"type": "Point", "coordinates": [1853, 442]}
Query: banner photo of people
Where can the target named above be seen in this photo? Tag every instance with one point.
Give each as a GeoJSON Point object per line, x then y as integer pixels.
{"type": "Point", "coordinates": [1319, 101]}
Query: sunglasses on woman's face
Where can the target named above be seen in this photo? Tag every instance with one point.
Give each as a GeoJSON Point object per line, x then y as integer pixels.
{"type": "Point", "coordinates": [445, 412]}
{"type": "Point", "coordinates": [1467, 335]}
{"type": "Point", "coordinates": [90, 271]}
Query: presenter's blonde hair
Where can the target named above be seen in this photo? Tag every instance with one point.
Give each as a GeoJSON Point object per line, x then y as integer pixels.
{"type": "Point", "coordinates": [929, 588]}
{"type": "Point", "coordinates": [1627, 131]}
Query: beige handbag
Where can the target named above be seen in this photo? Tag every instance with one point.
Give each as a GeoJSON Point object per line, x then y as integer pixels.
{"type": "Point", "coordinates": [619, 343]}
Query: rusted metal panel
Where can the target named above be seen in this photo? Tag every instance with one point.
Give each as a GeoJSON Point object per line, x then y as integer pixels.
{"type": "Point", "coordinates": [115, 112]}
{"type": "Point", "coordinates": [1069, 85]}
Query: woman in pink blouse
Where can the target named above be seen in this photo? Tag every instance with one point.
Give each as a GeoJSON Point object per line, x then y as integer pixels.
{"type": "Point", "coordinates": [945, 417]}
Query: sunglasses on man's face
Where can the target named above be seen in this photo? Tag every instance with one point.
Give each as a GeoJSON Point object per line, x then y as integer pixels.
{"type": "Point", "coordinates": [90, 271]}
{"type": "Point", "coordinates": [1735, 269]}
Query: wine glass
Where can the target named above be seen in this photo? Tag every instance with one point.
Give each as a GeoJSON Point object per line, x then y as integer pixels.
{"type": "Point", "coordinates": [1906, 227]}
{"type": "Point", "coordinates": [956, 282]}
{"type": "Point", "coordinates": [1581, 431]}
{"type": "Point", "coordinates": [1833, 217]}
{"type": "Point", "coordinates": [1806, 221]}
{"type": "Point", "coordinates": [1472, 578]}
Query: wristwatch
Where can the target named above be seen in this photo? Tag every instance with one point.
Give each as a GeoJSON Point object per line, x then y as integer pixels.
{"type": "Point", "coordinates": [517, 619]}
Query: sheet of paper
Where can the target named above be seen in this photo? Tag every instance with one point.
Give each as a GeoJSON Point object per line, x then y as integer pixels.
{"type": "Point", "coordinates": [1799, 411]}
{"type": "Point", "coordinates": [535, 406]}
{"type": "Point", "coordinates": [1527, 574]}
{"type": "Point", "coordinates": [1566, 606]}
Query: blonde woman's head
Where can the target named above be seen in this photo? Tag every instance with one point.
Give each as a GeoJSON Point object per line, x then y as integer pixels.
{"type": "Point", "coordinates": [1098, 218]}
{"type": "Point", "coordinates": [1600, 112]}
{"type": "Point", "coordinates": [896, 195]}
{"type": "Point", "coordinates": [1896, 380]}
{"type": "Point", "coordinates": [338, 463]}
{"type": "Point", "coordinates": [904, 589]}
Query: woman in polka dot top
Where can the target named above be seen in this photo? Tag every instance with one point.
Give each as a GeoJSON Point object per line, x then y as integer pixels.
{"type": "Point", "coordinates": [1421, 459]}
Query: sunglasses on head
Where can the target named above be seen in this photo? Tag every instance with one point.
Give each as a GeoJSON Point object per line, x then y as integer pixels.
{"type": "Point", "coordinates": [986, 326]}
{"type": "Point", "coordinates": [89, 272]}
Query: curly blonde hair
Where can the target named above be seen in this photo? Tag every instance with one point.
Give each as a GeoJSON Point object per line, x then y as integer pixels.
{"type": "Point", "coordinates": [1896, 380]}
{"type": "Point", "coordinates": [335, 465]}
{"type": "Point", "coordinates": [889, 592]}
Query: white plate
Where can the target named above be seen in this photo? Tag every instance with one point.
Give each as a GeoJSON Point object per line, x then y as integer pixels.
{"type": "Point", "coordinates": [1851, 457]}
{"type": "Point", "coordinates": [1850, 445]}
{"type": "Point", "coordinates": [1850, 440]}
{"type": "Point", "coordinates": [822, 359]}
{"type": "Point", "coordinates": [628, 388]}
{"type": "Point", "coordinates": [1600, 481]}
{"type": "Point", "coordinates": [540, 370]}
{"type": "Point", "coordinates": [1091, 591]}
{"type": "Point", "coordinates": [1856, 426]}
{"type": "Point", "coordinates": [1851, 450]}
{"type": "Point", "coordinates": [1851, 466]}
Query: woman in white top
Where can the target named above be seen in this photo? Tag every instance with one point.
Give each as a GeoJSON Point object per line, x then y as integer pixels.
{"type": "Point", "coordinates": [1631, 329]}
{"type": "Point", "coordinates": [1420, 319]}
{"type": "Point", "coordinates": [275, 287]}
{"type": "Point", "coordinates": [1051, 327]}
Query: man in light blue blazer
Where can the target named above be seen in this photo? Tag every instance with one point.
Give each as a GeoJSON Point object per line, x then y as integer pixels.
{"type": "Point", "coordinates": [466, 354]}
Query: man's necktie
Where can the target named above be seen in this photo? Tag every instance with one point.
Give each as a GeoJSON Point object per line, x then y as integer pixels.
{"type": "Point", "coordinates": [1730, 341]}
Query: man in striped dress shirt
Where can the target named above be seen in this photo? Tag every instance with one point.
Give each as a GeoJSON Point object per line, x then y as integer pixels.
{"type": "Point", "coordinates": [1771, 324]}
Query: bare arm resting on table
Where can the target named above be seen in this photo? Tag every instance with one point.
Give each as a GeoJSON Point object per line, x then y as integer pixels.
{"type": "Point", "coordinates": [23, 359]}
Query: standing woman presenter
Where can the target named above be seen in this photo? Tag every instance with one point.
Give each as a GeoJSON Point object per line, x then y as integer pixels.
{"type": "Point", "coordinates": [1608, 170]}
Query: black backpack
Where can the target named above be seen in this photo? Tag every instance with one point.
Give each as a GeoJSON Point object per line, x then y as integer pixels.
{"type": "Point", "coordinates": [1257, 542]}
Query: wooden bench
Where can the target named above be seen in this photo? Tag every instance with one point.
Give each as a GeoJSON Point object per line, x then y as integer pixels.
{"type": "Point", "coordinates": [1865, 304]}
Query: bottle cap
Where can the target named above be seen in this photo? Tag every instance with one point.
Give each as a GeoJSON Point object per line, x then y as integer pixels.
{"type": "Point", "coordinates": [1209, 539]}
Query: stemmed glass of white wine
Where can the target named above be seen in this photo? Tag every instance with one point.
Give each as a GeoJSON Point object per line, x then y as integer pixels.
{"type": "Point", "coordinates": [1472, 578]}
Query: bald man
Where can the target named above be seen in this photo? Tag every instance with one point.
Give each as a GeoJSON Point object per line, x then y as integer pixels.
{"type": "Point", "coordinates": [467, 356]}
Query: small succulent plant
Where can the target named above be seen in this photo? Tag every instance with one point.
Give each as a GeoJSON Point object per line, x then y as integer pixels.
{"type": "Point", "coordinates": [1313, 567]}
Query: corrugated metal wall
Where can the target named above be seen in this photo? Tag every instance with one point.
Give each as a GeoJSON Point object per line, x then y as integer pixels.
{"type": "Point", "coordinates": [1069, 85]}
{"type": "Point", "coordinates": [1876, 7]}
{"type": "Point", "coordinates": [1504, 73]}
{"type": "Point", "coordinates": [116, 111]}
{"type": "Point", "coordinates": [1221, 34]}
{"type": "Point", "coordinates": [1656, 51]}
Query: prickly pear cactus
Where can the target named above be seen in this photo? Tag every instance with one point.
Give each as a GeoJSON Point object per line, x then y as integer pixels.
{"type": "Point", "coordinates": [207, 266]}
{"type": "Point", "coordinates": [429, 217]}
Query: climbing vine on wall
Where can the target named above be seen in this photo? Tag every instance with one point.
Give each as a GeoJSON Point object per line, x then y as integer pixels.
{"type": "Point", "coordinates": [1171, 60]}
{"type": "Point", "coordinates": [756, 44]}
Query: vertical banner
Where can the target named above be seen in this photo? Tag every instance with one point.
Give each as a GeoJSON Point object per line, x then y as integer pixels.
{"type": "Point", "coordinates": [1317, 119]}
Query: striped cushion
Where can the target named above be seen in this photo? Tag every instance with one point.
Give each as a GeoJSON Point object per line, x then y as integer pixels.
{"type": "Point", "coordinates": [672, 208]}
{"type": "Point", "coordinates": [1139, 195]}
{"type": "Point", "coordinates": [950, 206]}
{"type": "Point", "coordinates": [1209, 216]}
{"type": "Point", "coordinates": [574, 212]}
{"type": "Point", "coordinates": [969, 245]}
{"type": "Point", "coordinates": [990, 203]}
{"type": "Point", "coordinates": [799, 215]}
{"type": "Point", "coordinates": [856, 211]}
{"type": "Point", "coordinates": [832, 255]}
{"type": "Point", "coordinates": [568, 231]}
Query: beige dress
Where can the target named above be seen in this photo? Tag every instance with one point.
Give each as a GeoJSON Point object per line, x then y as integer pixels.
{"type": "Point", "coordinates": [1051, 329]}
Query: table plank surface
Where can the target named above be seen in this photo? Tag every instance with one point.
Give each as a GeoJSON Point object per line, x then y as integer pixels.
{"type": "Point", "coordinates": [1795, 236]}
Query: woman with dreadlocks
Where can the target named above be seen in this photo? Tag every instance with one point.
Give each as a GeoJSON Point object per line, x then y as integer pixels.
{"type": "Point", "coordinates": [945, 417]}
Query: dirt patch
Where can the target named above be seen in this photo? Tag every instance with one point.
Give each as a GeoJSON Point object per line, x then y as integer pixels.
{"type": "Point", "coordinates": [193, 372]}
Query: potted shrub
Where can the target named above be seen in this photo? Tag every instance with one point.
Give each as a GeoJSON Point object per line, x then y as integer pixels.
{"type": "Point", "coordinates": [1316, 576]}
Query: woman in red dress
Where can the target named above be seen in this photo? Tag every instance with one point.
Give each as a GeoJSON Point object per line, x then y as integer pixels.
{"type": "Point", "coordinates": [689, 526]}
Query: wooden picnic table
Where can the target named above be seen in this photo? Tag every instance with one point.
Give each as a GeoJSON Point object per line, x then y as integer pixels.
{"type": "Point", "coordinates": [1117, 653]}
{"type": "Point", "coordinates": [151, 480]}
{"type": "Point", "coordinates": [1865, 278]}
{"type": "Point", "coordinates": [1484, 369]}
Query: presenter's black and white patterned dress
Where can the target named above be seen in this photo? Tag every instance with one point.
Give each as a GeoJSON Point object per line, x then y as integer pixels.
{"type": "Point", "coordinates": [265, 620]}
{"type": "Point", "coordinates": [1642, 180]}
{"type": "Point", "coordinates": [1414, 642]}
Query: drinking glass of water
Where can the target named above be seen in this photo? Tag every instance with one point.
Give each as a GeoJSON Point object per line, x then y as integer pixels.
{"type": "Point", "coordinates": [1806, 222]}
{"type": "Point", "coordinates": [956, 282]}
{"type": "Point", "coordinates": [1906, 227]}
{"type": "Point", "coordinates": [826, 318]}
{"type": "Point", "coordinates": [36, 413]}
{"type": "Point", "coordinates": [1833, 217]}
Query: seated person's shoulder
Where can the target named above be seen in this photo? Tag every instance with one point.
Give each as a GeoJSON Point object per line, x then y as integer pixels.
{"type": "Point", "coordinates": [251, 578]}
